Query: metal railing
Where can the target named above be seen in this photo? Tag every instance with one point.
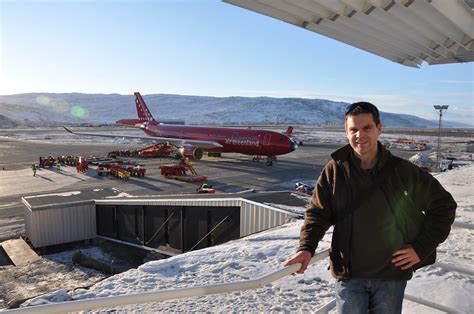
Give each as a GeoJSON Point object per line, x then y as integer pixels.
{"type": "Point", "coordinates": [159, 296]}
{"type": "Point", "coordinates": [464, 225]}
{"type": "Point", "coordinates": [456, 268]}
{"type": "Point", "coordinates": [431, 304]}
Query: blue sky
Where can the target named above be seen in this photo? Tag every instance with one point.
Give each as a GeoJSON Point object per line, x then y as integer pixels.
{"type": "Point", "coordinates": [211, 48]}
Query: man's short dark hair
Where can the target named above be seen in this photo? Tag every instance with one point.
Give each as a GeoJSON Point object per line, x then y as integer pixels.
{"type": "Point", "coordinates": [363, 107]}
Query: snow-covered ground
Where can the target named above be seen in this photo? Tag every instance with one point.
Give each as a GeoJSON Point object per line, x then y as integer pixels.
{"type": "Point", "coordinates": [266, 252]}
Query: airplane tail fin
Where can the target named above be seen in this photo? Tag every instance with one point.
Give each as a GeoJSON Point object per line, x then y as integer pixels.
{"type": "Point", "coordinates": [144, 115]}
{"type": "Point", "coordinates": [289, 131]}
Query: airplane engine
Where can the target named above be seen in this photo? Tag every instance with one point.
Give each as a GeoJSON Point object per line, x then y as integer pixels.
{"type": "Point", "coordinates": [191, 152]}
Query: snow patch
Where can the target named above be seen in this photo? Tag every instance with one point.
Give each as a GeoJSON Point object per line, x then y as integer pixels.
{"type": "Point", "coordinates": [121, 194]}
{"type": "Point", "coordinates": [65, 194]}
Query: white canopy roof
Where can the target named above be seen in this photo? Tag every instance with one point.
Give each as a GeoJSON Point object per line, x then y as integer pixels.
{"type": "Point", "coordinates": [404, 31]}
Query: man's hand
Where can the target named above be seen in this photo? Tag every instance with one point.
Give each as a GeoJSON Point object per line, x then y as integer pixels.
{"type": "Point", "coordinates": [303, 257]}
{"type": "Point", "coordinates": [405, 258]}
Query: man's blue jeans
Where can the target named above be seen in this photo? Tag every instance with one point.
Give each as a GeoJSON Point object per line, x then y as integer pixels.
{"type": "Point", "coordinates": [370, 296]}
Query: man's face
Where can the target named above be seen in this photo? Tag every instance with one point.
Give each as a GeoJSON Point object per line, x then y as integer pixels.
{"type": "Point", "coordinates": [362, 134]}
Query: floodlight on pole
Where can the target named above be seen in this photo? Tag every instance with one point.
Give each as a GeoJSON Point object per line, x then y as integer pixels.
{"type": "Point", "coordinates": [440, 109]}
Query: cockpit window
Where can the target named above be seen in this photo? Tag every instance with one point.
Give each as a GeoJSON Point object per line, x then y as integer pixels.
{"type": "Point", "coordinates": [283, 139]}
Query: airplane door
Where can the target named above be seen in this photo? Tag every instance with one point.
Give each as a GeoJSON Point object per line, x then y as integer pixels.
{"type": "Point", "coordinates": [234, 138]}
{"type": "Point", "coordinates": [266, 139]}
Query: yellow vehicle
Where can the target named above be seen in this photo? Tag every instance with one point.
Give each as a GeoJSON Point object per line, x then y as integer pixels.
{"type": "Point", "coordinates": [124, 175]}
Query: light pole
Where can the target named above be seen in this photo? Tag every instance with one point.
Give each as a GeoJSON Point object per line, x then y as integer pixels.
{"type": "Point", "coordinates": [440, 109]}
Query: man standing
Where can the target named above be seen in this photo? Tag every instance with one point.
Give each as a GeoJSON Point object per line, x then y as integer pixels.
{"type": "Point", "coordinates": [388, 216]}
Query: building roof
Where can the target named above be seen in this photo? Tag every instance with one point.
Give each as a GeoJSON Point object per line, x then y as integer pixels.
{"type": "Point", "coordinates": [276, 199]}
{"type": "Point", "coordinates": [58, 199]}
{"type": "Point", "coordinates": [404, 31]}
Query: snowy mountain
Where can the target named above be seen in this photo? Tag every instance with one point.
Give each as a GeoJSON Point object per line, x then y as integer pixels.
{"type": "Point", "coordinates": [76, 108]}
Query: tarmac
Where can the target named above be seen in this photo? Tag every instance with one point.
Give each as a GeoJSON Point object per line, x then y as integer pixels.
{"type": "Point", "coordinates": [229, 173]}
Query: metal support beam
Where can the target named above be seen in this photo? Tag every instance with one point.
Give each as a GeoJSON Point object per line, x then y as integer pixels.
{"type": "Point", "coordinates": [159, 229]}
{"type": "Point", "coordinates": [220, 223]}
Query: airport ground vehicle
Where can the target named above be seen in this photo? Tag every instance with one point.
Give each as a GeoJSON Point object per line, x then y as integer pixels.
{"type": "Point", "coordinates": [178, 171]}
{"type": "Point", "coordinates": [205, 188]}
{"type": "Point", "coordinates": [119, 172]}
{"type": "Point", "coordinates": [103, 170]}
{"type": "Point", "coordinates": [79, 162]}
{"type": "Point", "coordinates": [303, 188]}
{"type": "Point", "coordinates": [46, 162]}
{"type": "Point", "coordinates": [134, 170]}
{"type": "Point", "coordinates": [151, 151]}
{"type": "Point", "coordinates": [68, 160]}
{"type": "Point", "coordinates": [82, 165]}
{"type": "Point", "coordinates": [95, 160]}
{"type": "Point", "coordinates": [117, 167]}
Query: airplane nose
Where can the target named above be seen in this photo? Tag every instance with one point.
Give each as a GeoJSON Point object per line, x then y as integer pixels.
{"type": "Point", "coordinates": [294, 146]}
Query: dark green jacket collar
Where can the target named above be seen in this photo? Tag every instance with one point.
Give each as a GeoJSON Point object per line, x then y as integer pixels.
{"type": "Point", "coordinates": [345, 153]}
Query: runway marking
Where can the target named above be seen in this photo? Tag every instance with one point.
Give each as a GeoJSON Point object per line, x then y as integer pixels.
{"type": "Point", "coordinates": [9, 204]}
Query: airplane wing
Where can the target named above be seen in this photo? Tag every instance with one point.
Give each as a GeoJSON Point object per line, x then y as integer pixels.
{"type": "Point", "coordinates": [173, 141]}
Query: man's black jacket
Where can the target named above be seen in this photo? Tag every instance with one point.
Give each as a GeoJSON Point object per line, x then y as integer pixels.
{"type": "Point", "coordinates": [423, 209]}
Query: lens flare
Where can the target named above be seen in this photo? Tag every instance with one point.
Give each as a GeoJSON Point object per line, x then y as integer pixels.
{"type": "Point", "coordinates": [43, 100]}
{"type": "Point", "coordinates": [79, 112]}
{"type": "Point", "coordinates": [59, 105]}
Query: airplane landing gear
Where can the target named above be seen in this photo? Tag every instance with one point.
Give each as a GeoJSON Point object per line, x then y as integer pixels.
{"type": "Point", "coordinates": [257, 158]}
{"type": "Point", "coordinates": [213, 154]}
{"type": "Point", "coordinates": [270, 160]}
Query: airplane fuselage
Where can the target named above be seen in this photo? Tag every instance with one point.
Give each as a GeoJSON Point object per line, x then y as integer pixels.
{"type": "Point", "coordinates": [238, 140]}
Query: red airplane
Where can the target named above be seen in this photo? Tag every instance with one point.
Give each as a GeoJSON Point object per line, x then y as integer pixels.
{"type": "Point", "coordinates": [191, 141]}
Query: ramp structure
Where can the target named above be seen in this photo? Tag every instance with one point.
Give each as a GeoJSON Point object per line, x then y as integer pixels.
{"type": "Point", "coordinates": [19, 252]}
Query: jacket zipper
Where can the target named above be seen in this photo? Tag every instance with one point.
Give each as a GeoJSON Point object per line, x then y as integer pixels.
{"type": "Point", "coordinates": [349, 236]}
